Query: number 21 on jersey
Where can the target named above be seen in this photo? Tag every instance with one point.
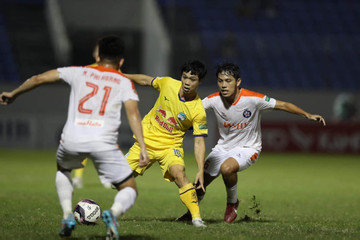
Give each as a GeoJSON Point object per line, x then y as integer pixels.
{"type": "Point", "coordinates": [95, 89]}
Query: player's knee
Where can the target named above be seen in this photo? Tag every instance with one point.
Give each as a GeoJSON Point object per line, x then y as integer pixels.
{"type": "Point", "coordinates": [179, 177]}
{"type": "Point", "coordinates": [227, 169]}
{"type": "Point", "coordinates": [178, 173]}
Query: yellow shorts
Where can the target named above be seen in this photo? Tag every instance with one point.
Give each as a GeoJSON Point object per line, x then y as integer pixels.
{"type": "Point", "coordinates": [166, 158]}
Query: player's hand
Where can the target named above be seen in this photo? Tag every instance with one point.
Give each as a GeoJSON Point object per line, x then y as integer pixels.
{"type": "Point", "coordinates": [199, 181]}
{"type": "Point", "coordinates": [144, 158]}
{"type": "Point", "coordinates": [6, 98]}
{"type": "Point", "coordinates": [317, 118]}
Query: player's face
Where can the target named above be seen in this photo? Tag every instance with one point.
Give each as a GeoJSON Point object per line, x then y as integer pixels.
{"type": "Point", "coordinates": [228, 85]}
{"type": "Point", "coordinates": [190, 83]}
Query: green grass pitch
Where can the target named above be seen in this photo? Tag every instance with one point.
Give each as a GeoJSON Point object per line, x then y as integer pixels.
{"type": "Point", "coordinates": [283, 196]}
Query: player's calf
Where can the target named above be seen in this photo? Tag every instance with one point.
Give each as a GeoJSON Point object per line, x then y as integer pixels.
{"type": "Point", "coordinates": [186, 217]}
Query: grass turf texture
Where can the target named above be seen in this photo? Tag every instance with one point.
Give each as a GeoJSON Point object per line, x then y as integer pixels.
{"type": "Point", "coordinates": [283, 196]}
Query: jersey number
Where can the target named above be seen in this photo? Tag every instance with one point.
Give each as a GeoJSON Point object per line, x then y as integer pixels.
{"type": "Point", "coordinates": [90, 95]}
{"type": "Point", "coordinates": [177, 152]}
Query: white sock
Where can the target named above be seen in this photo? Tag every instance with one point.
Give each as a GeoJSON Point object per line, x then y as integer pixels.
{"type": "Point", "coordinates": [123, 201]}
{"type": "Point", "coordinates": [232, 194]}
{"type": "Point", "coordinates": [64, 189]}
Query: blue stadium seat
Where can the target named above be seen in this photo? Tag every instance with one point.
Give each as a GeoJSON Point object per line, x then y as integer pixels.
{"type": "Point", "coordinates": [305, 44]}
{"type": "Point", "coordinates": [8, 67]}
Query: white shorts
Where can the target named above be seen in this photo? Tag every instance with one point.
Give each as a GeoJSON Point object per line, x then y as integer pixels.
{"type": "Point", "coordinates": [111, 165]}
{"type": "Point", "coordinates": [244, 156]}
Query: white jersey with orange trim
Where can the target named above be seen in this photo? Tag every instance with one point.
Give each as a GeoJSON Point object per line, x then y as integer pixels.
{"type": "Point", "coordinates": [239, 125]}
{"type": "Point", "coordinates": [96, 97]}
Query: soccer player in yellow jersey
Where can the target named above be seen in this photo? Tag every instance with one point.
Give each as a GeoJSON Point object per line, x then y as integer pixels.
{"type": "Point", "coordinates": [177, 109]}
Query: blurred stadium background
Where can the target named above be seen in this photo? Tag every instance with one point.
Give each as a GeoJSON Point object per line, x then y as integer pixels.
{"type": "Point", "coordinates": [305, 52]}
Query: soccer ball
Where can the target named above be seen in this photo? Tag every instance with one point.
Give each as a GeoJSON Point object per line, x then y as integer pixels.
{"type": "Point", "coordinates": [87, 212]}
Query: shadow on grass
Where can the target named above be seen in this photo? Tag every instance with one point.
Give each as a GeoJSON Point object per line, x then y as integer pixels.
{"type": "Point", "coordinates": [241, 220]}
{"type": "Point", "coordinates": [128, 237]}
{"type": "Point", "coordinates": [148, 219]}
{"type": "Point", "coordinates": [207, 220]}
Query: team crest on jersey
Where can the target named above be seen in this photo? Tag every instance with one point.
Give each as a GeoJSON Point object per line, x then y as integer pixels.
{"type": "Point", "coordinates": [181, 116]}
{"type": "Point", "coordinates": [246, 113]}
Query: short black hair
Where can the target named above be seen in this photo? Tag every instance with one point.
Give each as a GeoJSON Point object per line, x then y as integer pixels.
{"type": "Point", "coordinates": [195, 67]}
{"type": "Point", "coordinates": [111, 48]}
{"type": "Point", "coordinates": [228, 68]}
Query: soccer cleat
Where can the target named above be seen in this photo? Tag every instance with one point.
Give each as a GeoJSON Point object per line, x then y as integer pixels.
{"type": "Point", "coordinates": [67, 226]}
{"type": "Point", "coordinates": [111, 225]}
{"type": "Point", "coordinates": [77, 182]}
{"type": "Point", "coordinates": [231, 212]}
{"type": "Point", "coordinates": [186, 217]}
{"type": "Point", "coordinates": [198, 222]}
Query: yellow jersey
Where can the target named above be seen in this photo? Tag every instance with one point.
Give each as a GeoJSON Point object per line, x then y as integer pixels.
{"type": "Point", "coordinates": [166, 123]}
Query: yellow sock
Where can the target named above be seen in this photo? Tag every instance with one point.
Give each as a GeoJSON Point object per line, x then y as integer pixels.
{"type": "Point", "coordinates": [188, 197]}
{"type": "Point", "coordinates": [80, 171]}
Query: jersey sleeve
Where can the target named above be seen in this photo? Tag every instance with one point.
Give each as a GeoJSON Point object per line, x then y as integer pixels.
{"type": "Point", "coordinates": [200, 124]}
{"type": "Point", "coordinates": [160, 82]}
{"type": "Point", "coordinates": [206, 103]}
{"type": "Point", "coordinates": [266, 103]}
{"type": "Point", "coordinates": [66, 74]}
{"type": "Point", "coordinates": [129, 92]}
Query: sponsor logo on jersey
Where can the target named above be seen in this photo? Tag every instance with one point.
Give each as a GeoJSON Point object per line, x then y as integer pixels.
{"type": "Point", "coordinates": [246, 113]}
{"type": "Point", "coordinates": [89, 122]}
{"type": "Point", "coordinates": [169, 123]}
{"type": "Point", "coordinates": [235, 125]}
{"type": "Point", "coordinates": [164, 124]}
{"type": "Point", "coordinates": [181, 116]}
{"type": "Point", "coordinates": [203, 126]}
{"type": "Point", "coordinates": [162, 112]}
{"type": "Point", "coordinates": [172, 121]}
{"type": "Point", "coordinates": [267, 98]}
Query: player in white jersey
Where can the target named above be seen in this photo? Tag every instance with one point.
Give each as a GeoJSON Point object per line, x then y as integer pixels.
{"type": "Point", "coordinates": [238, 112]}
{"type": "Point", "coordinates": [91, 130]}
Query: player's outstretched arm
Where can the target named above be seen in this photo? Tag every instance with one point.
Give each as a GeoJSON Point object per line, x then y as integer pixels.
{"type": "Point", "coordinates": [134, 118]}
{"type": "Point", "coordinates": [292, 108]}
{"type": "Point", "coordinates": [199, 152]}
{"type": "Point", "coordinates": [34, 81]}
{"type": "Point", "coordinates": [141, 79]}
